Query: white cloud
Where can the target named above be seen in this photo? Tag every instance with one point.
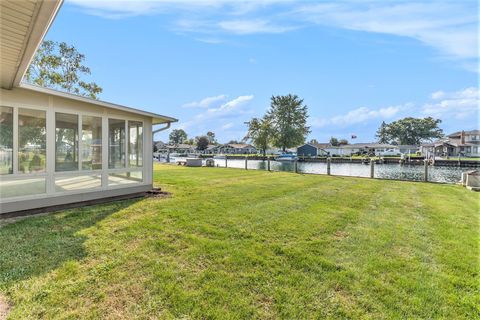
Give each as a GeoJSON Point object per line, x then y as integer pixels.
{"type": "Point", "coordinates": [438, 95]}
{"type": "Point", "coordinates": [359, 115]}
{"type": "Point", "coordinates": [253, 26]}
{"type": "Point", "coordinates": [228, 125]}
{"type": "Point", "coordinates": [116, 9]}
{"type": "Point", "coordinates": [450, 27]}
{"type": "Point", "coordinates": [459, 104]}
{"type": "Point", "coordinates": [215, 115]}
{"type": "Point", "coordinates": [206, 102]}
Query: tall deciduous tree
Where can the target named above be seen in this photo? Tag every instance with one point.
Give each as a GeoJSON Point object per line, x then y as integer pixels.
{"type": "Point", "coordinates": [288, 117]}
{"type": "Point", "coordinates": [334, 141]}
{"type": "Point", "coordinates": [260, 133]}
{"type": "Point", "coordinates": [177, 136]}
{"type": "Point", "coordinates": [58, 65]}
{"type": "Point", "coordinates": [202, 143]}
{"type": "Point", "coordinates": [411, 131]}
{"type": "Point", "coordinates": [211, 137]}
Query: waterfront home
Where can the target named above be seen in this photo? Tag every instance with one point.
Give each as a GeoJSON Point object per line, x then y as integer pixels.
{"type": "Point", "coordinates": [211, 149]}
{"type": "Point", "coordinates": [59, 148]}
{"type": "Point", "coordinates": [313, 149]}
{"type": "Point", "coordinates": [161, 147]}
{"type": "Point", "coordinates": [408, 149]}
{"type": "Point", "coordinates": [377, 149]}
{"type": "Point", "coordinates": [181, 148]}
{"type": "Point", "coordinates": [460, 143]}
{"type": "Point", "coordinates": [237, 148]}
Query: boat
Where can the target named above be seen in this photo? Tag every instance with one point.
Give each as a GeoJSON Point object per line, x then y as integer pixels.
{"type": "Point", "coordinates": [286, 157]}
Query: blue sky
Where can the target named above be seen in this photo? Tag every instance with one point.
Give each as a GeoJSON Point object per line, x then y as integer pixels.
{"type": "Point", "coordinates": [214, 64]}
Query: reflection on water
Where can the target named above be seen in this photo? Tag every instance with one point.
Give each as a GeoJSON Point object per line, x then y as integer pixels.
{"type": "Point", "coordinates": [382, 171]}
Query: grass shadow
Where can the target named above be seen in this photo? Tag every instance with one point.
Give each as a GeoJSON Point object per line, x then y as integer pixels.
{"type": "Point", "coordinates": [37, 245]}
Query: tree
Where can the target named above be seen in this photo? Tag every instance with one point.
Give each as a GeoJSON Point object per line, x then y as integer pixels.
{"type": "Point", "coordinates": [334, 141]}
{"type": "Point", "coordinates": [60, 66]}
{"type": "Point", "coordinates": [382, 135]}
{"type": "Point", "coordinates": [313, 141]}
{"type": "Point", "coordinates": [202, 143]}
{"type": "Point", "coordinates": [342, 142]}
{"type": "Point", "coordinates": [260, 133]}
{"type": "Point", "coordinates": [233, 142]}
{"type": "Point", "coordinates": [411, 131]}
{"type": "Point", "coordinates": [211, 137]}
{"type": "Point", "coordinates": [177, 136]}
{"type": "Point", "coordinates": [288, 118]}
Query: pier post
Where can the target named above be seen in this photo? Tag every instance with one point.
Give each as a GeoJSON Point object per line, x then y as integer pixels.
{"type": "Point", "coordinates": [329, 161]}
{"type": "Point", "coordinates": [372, 168]}
{"type": "Point", "coordinates": [268, 163]}
{"type": "Point", "coordinates": [226, 166]}
{"type": "Point", "coordinates": [246, 164]}
{"type": "Point", "coordinates": [296, 166]}
{"type": "Point", "coordinates": [425, 174]}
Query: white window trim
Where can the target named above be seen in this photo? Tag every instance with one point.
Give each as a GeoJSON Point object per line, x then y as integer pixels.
{"type": "Point", "coordinates": [50, 174]}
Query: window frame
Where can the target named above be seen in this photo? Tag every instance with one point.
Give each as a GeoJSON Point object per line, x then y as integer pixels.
{"type": "Point", "coordinates": [50, 175]}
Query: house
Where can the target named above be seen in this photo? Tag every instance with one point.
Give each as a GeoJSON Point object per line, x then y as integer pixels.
{"type": "Point", "coordinates": [181, 148]}
{"type": "Point", "coordinates": [237, 148]}
{"type": "Point", "coordinates": [408, 149]}
{"type": "Point", "coordinates": [58, 148]}
{"type": "Point", "coordinates": [313, 149]}
{"type": "Point", "coordinates": [211, 149]}
{"type": "Point", "coordinates": [160, 146]}
{"type": "Point", "coordinates": [377, 149]}
{"type": "Point", "coordinates": [460, 143]}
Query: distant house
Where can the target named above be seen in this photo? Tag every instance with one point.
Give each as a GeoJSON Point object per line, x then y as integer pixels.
{"type": "Point", "coordinates": [181, 148]}
{"type": "Point", "coordinates": [378, 149]}
{"type": "Point", "coordinates": [313, 149]}
{"type": "Point", "coordinates": [237, 148]}
{"type": "Point", "coordinates": [161, 146]}
{"type": "Point", "coordinates": [461, 143]}
{"type": "Point", "coordinates": [408, 149]}
{"type": "Point", "coordinates": [211, 149]}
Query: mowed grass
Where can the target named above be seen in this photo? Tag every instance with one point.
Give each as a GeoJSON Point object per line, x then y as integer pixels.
{"type": "Point", "coordinates": [235, 244]}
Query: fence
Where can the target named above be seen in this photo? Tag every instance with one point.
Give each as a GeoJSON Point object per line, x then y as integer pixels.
{"type": "Point", "coordinates": [293, 166]}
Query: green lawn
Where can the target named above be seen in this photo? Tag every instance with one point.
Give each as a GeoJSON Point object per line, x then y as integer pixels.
{"type": "Point", "coordinates": [235, 244]}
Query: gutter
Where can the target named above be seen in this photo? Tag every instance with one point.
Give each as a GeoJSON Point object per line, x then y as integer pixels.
{"type": "Point", "coordinates": [168, 124]}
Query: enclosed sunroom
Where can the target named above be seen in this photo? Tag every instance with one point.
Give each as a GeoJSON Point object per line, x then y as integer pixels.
{"type": "Point", "coordinates": [58, 148]}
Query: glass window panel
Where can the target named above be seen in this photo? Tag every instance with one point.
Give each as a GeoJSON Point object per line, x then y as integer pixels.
{"type": "Point", "coordinates": [32, 140]}
{"type": "Point", "coordinates": [6, 140]}
{"type": "Point", "coordinates": [91, 143]}
{"type": "Point", "coordinates": [135, 144]}
{"type": "Point", "coordinates": [117, 179]}
{"type": "Point", "coordinates": [116, 143]}
{"type": "Point", "coordinates": [66, 142]}
{"type": "Point", "coordinates": [21, 187]}
{"type": "Point", "coordinates": [68, 183]}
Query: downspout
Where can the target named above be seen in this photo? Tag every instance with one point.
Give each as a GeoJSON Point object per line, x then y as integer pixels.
{"type": "Point", "coordinates": [168, 124]}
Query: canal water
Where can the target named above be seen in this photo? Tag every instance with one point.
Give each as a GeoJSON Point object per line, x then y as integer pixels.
{"type": "Point", "coordinates": [382, 171]}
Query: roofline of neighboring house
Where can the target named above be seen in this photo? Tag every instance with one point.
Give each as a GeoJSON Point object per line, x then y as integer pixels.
{"type": "Point", "coordinates": [156, 118]}
{"type": "Point", "coordinates": [44, 16]}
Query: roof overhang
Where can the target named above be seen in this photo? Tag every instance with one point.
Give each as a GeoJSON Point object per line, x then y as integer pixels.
{"type": "Point", "coordinates": [23, 25]}
{"type": "Point", "coordinates": [156, 118]}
